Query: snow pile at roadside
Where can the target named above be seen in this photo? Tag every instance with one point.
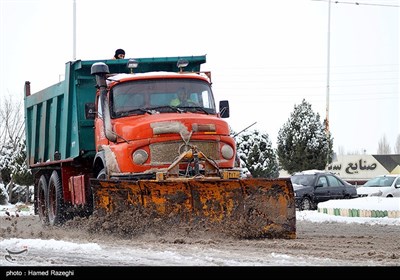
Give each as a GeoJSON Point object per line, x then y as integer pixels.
{"type": "Point", "coordinates": [375, 207]}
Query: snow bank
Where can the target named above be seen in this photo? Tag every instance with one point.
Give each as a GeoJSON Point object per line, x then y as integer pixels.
{"type": "Point", "coordinates": [362, 207]}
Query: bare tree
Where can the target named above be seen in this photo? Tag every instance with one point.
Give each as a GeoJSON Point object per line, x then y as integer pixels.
{"type": "Point", "coordinates": [361, 151]}
{"type": "Point", "coordinates": [11, 134]}
{"type": "Point", "coordinates": [12, 125]}
{"type": "Point", "coordinates": [340, 150]}
{"type": "Point", "coordinates": [397, 145]}
{"type": "Point", "coordinates": [384, 146]}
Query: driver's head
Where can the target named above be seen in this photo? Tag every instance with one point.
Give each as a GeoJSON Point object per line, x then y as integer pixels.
{"type": "Point", "coordinates": [181, 94]}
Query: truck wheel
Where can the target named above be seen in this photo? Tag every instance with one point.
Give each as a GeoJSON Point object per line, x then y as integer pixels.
{"type": "Point", "coordinates": [55, 200]}
{"type": "Point", "coordinates": [41, 197]}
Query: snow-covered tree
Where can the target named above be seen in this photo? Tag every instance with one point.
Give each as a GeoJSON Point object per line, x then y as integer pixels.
{"type": "Point", "coordinates": [256, 152]}
{"type": "Point", "coordinates": [302, 142]}
{"type": "Point", "coordinates": [7, 155]}
{"type": "Point", "coordinates": [3, 195]}
{"type": "Point", "coordinates": [14, 172]}
{"type": "Point", "coordinates": [22, 175]}
{"type": "Point", "coordinates": [11, 133]}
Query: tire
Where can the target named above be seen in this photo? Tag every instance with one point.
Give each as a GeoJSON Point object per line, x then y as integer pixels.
{"type": "Point", "coordinates": [55, 200]}
{"type": "Point", "coordinates": [102, 174]}
{"type": "Point", "coordinates": [306, 204]}
{"type": "Point", "coordinates": [41, 197]}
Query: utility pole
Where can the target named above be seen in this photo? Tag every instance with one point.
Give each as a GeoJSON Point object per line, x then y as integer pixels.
{"type": "Point", "coordinates": [328, 69]}
{"type": "Point", "coordinates": [74, 31]}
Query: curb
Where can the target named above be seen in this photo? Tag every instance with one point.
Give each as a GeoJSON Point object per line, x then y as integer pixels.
{"type": "Point", "coordinates": [360, 212]}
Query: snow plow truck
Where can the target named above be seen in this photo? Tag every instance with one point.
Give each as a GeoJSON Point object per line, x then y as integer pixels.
{"type": "Point", "coordinates": [110, 138]}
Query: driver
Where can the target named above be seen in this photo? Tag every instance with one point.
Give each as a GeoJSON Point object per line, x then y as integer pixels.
{"type": "Point", "coordinates": [181, 100]}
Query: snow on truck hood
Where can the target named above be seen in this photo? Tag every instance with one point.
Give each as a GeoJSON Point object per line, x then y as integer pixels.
{"type": "Point", "coordinates": [167, 123]}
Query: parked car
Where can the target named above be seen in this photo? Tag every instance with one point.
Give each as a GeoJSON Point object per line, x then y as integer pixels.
{"type": "Point", "coordinates": [314, 186]}
{"type": "Point", "coordinates": [383, 185]}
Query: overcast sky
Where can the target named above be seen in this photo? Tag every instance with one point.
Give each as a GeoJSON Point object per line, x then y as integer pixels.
{"type": "Point", "coordinates": [265, 56]}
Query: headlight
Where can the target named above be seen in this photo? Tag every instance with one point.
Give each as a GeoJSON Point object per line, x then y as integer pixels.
{"type": "Point", "coordinates": [227, 152]}
{"type": "Point", "coordinates": [140, 156]}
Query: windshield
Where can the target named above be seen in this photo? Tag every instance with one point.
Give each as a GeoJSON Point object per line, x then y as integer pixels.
{"type": "Point", "coordinates": [162, 95]}
{"type": "Point", "coordinates": [380, 182]}
{"type": "Point", "coordinates": [305, 180]}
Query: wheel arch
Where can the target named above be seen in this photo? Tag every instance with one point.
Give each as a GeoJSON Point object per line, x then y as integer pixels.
{"type": "Point", "coordinates": [99, 163]}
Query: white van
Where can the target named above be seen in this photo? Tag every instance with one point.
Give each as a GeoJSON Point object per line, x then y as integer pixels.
{"type": "Point", "coordinates": [383, 185]}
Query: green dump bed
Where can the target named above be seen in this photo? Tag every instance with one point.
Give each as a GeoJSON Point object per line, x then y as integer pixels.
{"type": "Point", "coordinates": [59, 119]}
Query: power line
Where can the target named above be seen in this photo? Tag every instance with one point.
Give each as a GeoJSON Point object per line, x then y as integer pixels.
{"type": "Point", "coordinates": [359, 3]}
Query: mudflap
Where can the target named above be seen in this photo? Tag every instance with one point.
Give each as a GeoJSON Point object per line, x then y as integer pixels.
{"type": "Point", "coordinates": [255, 207]}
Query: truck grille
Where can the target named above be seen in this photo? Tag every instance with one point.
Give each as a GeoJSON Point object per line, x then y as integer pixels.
{"type": "Point", "coordinates": [167, 152]}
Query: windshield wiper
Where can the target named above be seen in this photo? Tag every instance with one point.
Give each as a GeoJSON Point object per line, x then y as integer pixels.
{"type": "Point", "coordinates": [150, 111]}
{"type": "Point", "coordinates": [197, 108]}
{"type": "Point", "coordinates": [173, 108]}
{"type": "Point", "coordinates": [137, 111]}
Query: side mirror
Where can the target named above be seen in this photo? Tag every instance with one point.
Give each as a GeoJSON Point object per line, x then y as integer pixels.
{"type": "Point", "coordinates": [224, 108]}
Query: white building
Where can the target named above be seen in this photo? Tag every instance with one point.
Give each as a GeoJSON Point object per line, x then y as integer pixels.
{"type": "Point", "coordinates": [357, 169]}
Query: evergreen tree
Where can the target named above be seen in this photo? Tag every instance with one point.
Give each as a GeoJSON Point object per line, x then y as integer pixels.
{"type": "Point", "coordinates": [22, 174]}
{"type": "Point", "coordinates": [14, 172]}
{"type": "Point", "coordinates": [6, 162]}
{"type": "Point", "coordinates": [256, 152]}
{"type": "Point", "coordinates": [302, 142]}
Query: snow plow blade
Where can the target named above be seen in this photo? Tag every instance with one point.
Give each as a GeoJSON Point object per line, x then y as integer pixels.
{"type": "Point", "coordinates": [264, 208]}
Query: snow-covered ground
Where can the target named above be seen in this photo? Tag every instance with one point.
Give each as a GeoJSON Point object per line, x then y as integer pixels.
{"type": "Point", "coordinates": [365, 203]}
{"type": "Point", "coordinates": [144, 256]}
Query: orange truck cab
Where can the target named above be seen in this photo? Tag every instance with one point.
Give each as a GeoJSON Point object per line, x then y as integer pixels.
{"type": "Point", "coordinates": [140, 131]}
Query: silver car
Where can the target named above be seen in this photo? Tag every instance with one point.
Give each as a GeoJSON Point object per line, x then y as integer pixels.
{"type": "Point", "coordinates": [384, 186]}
